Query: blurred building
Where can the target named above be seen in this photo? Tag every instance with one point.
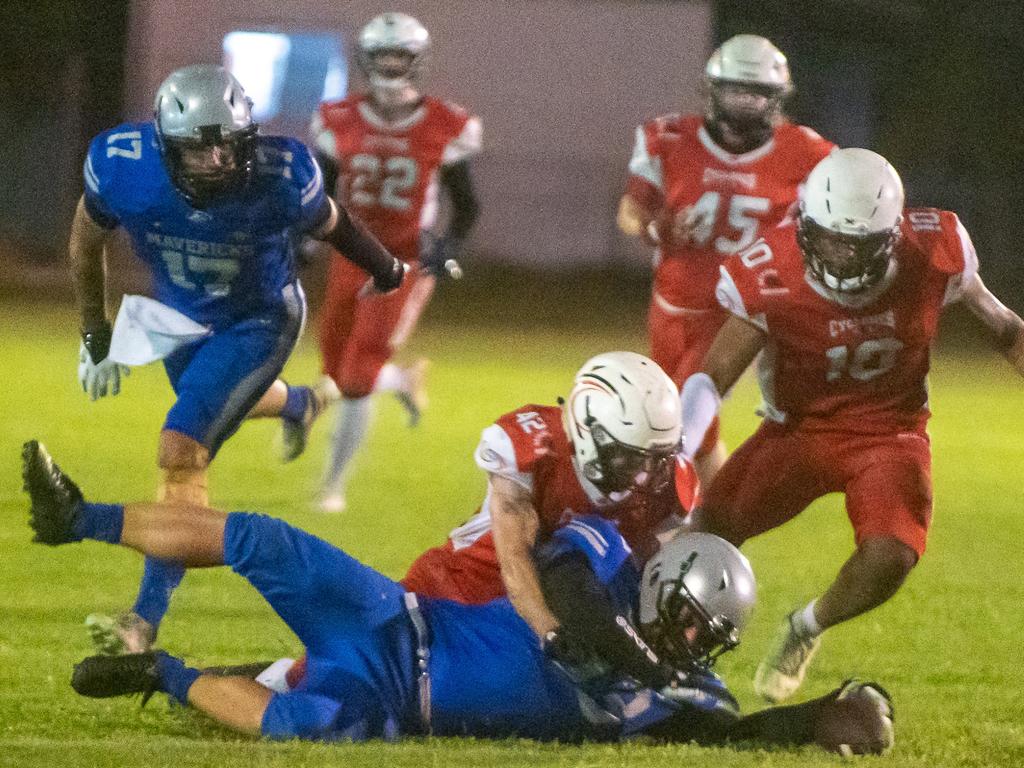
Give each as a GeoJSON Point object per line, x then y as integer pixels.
{"type": "Point", "coordinates": [560, 85]}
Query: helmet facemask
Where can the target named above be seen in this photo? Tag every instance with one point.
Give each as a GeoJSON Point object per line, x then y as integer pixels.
{"type": "Point", "coordinates": [211, 164]}
{"type": "Point", "coordinates": [847, 264]}
{"type": "Point", "coordinates": [684, 634]}
{"type": "Point", "coordinates": [392, 74]}
{"type": "Point", "coordinates": [741, 115]}
{"type": "Point", "coordinates": [622, 468]}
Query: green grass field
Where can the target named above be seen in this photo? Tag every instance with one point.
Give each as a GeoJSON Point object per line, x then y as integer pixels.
{"type": "Point", "coordinates": [948, 646]}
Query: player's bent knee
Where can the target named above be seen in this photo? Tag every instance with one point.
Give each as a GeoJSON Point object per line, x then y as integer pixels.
{"type": "Point", "coordinates": [183, 462]}
{"type": "Point", "coordinates": [181, 452]}
{"type": "Point", "coordinates": [890, 559]}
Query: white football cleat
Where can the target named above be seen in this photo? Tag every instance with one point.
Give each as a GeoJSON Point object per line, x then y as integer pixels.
{"type": "Point", "coordinates": [782, 670]}
{"type": "Point", "coordinates": [331, 503]}
{"type": "Point", "coordinates": [117, 635]}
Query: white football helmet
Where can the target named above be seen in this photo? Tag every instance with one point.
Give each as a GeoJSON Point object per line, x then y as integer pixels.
{"type": "Point", "coordinates": [747, 79]}
{"type": "Point", "coordinates": [697, 594]}
{"type": "Point", "coordinates": [623, 418]}
{"type": "Point", "coordinates": [392, 51]}
{"type": "Point", "coordinates": [206, 131]}
{"type": "Point", "coordinates": [851, 206]}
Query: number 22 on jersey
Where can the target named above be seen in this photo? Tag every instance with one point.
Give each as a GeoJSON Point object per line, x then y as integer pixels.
{"type": "Point", "coordinates": [383, 182]}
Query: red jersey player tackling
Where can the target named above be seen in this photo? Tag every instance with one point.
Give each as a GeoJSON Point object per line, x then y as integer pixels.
{"type": "Point", "coordinates": [612, 448]}
{"type": "Point", "coordinates": [384, 152]}
{"type": "Point", "coordinates": [703, 187]}
{"type": "Point", "coordinates": [843, 304]}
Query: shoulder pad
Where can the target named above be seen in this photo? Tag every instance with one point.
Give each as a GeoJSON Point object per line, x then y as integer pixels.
{"type": "Point", "coordinates": [596, 538]}
{"type": "Point", "coordinates": [533, 431]}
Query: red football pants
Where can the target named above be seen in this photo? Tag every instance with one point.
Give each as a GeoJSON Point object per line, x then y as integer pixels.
{"type": "Point", "coordinates": [356, 331]}
{"type": "Point", "coordinates": [779, 471]}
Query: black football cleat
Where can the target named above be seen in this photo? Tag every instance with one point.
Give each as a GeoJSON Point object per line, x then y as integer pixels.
{"type": "Point", "coordinates": [56, 500]}
{"type": "Point", "coordinates": [102, 677]}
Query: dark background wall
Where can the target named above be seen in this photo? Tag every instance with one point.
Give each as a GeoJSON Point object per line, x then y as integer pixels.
{"type": "Point", "coordinates": [61, 78]}
{"type": "Point", "coordinates": [935, 86]}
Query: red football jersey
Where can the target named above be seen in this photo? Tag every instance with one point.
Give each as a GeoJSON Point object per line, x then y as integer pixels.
{"type": "Point", "coordinates": [857, 367]}
{"type": "Point", "coordinates": [530, 447]}
{"type": "Point", "coordinates": [734, 198]}
{"type": "Point", "coordinates": [387, 171]}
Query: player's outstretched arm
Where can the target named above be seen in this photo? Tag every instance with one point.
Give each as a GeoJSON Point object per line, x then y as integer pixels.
{"type": "Point", "coordinates": [1004, 325]}
{"type": "Point", "coordinates": [515, 523]}
{"type": "Point", "coordinates": [589, 621]}
{"type": "Point", "coordinates": [351, 237]}
{"type": "Point", "coordinates": [732, 351]}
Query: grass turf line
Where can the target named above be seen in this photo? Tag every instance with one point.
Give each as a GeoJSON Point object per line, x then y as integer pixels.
{"type": "Point", "coordinates": [945, 646]}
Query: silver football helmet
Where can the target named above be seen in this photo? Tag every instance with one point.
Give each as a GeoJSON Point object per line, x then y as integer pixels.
{"type": "Point", "coordinates": [851, 207]}
{"type": "Point", "coordinates": [392, 51]}
{"type": "Point", "coordinates": [697, 594]}
{"type": "Point", "coordinates": [624, 420]}
{"type": "Point", "coordinates": [206, 131]}
{"type": "Point", "coordinates": [747, 79]}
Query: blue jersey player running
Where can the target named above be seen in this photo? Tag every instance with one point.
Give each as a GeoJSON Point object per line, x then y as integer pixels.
{"type": "Point", "coordinates": [383, 662]}
{"type": "Point", "coordinates": [213, 208]}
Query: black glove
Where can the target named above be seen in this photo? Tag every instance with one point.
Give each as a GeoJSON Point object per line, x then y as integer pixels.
{"type": "Point", "coordinates": [390, 280]}
{"type": "Point", "coordinates": [440, 257]}
{"type": "Point", "coordinates": [559, 646]}
{"type": "Point", "coordinates": [97, 342]}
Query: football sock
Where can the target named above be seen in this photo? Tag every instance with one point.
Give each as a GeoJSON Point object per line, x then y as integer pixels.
{"type": "Point", "coordinates": [353, 418]}
{"type": "Point", "coordinates": [805, 622]}
{"type": "Point", "coordinates": [391, 378]}
{"type": "Point", "coordinates": [99, 522]}
{"type": "Point", "coordinates": [175, 677]}
{"type": "Point", "coordinates": [295, 403]}
{"type": "Point", "coordinates": [159, 580]}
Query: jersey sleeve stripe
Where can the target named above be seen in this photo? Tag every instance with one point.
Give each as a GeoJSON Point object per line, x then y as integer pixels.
{"type": "Point", "coordinates": [592, 537]}
{"type": "Point", "coordinates": [496, 455]}
{"type": "Point", "coordinates": [642, 164]}
{"type": "Point", "coordinates": [469, 142]}
{"type": "Point", "coordinates": [729, 297]}
{"type": "Point", "coordinates": [314, 187]}
{"type": "Point", "coordinates": [957, 283]}
{"type": "Point", "coordinates": [91, 181]}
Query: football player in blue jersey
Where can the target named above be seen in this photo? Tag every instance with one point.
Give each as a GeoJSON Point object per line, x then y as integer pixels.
{"type": "Point", "coordinates": [383, 662]}
{"type": "Point", "coordinates": [213, 208]}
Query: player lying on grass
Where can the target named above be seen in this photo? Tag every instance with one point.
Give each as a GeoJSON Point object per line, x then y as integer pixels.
{"type": "Point", "coordinates": [384, 663]}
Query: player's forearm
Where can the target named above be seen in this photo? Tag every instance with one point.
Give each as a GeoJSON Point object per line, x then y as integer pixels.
{"type": "Point", "coordinates": [352, 238]}
{"type": "Point", "coordinates": [88, 269]}
{"type": "Point", "coordinates": [1006, 329]}
{"type": "Point", "coordinates": [515, 524]}
{"type": "Point", "coordinates": [465, 206]}
{"type": "Point", "coordinates": [522, 584]}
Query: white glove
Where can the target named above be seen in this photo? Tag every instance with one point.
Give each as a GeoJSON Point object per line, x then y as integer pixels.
{"type": "Point", "coordinates": [97, 378]}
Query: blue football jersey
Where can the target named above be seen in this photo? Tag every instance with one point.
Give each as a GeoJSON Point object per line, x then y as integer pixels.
{"type": "Point", "coordinates": [491, 677]}
{"type": "Point", "coordinates": [218, 264]}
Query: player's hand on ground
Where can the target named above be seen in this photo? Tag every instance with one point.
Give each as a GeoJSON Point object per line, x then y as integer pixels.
{"type": "Point", "coordinates": [97, 373]}
{"type": "Point", "coordinates": [856, 719]}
